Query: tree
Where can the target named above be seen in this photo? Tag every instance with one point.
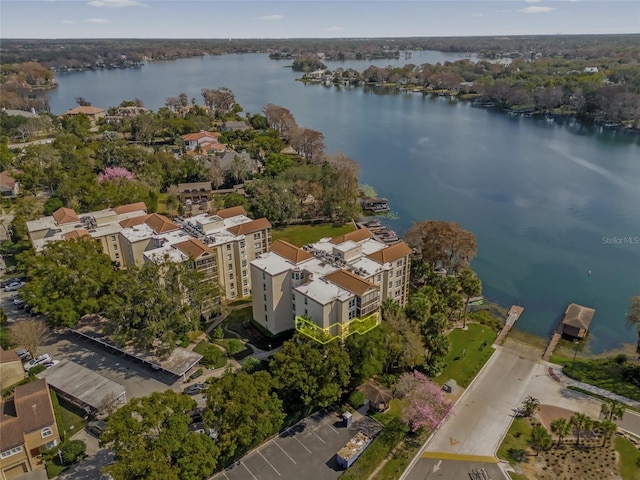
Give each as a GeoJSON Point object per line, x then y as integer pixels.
{"type": "Point", "coordinates": [30, 334]}
{"type": "Point", "coordinates": [612, 409]}
{"type": "Point", "coordinates": [530, 406]}
{"type": "Point", "coordinates": [443, 243]}
{"type": "Point", "coordinates": [540, 439]}
{"type": "Point", "coordinates": [471, 286]}
{"type": "Point", "coordinates": [561, 427]}
{"type": "Point", "coordinates": [243, 410]}
{"type": "Point", "coordinates": [607, 428]}
{"type": "Point", "coordinates": [308, 143]}
{"type": "Point", "coordinates": [151, 439]}
{"type": "Point", "coordinates": [427, 406]}
{"type": "Point", "coordinates": [73, 451]}
{"type": "Point", "coordinates": [633, 317]}
{"type": "Point", "coordinates": [234, 346]}
{"type": "Point", "coordinates": [580, 423]}
{"type": "Point", "coordinates": [368, 354]}
{"type": "Point", "coordinates": [308, 375]}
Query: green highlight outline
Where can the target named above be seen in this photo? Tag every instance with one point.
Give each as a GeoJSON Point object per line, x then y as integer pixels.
{"type": "Point", "coordinates": [322, 335]}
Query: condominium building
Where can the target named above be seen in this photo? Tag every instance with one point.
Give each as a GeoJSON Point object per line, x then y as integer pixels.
{"type": "Point", "coordinates": [27, 428]}
{"type": "Point", "coordinates": [329, 289]}
{"type": "Point", "coordinates": [221, 245]}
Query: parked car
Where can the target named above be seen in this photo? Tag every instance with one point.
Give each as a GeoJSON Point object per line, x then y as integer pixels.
{"type": "Point", "coordinates": [12, 287]}
{"type": "Point", "coordinates": [23, 354]}
{"type": "Point", "coordinates": [18, 302]}
{"type": "Point", "coordinates": [194, 389]}
{"type": "Point", "coordinates": [45, 357]}
{"type": "Point", "coordinates": [51, 363]}
{"type": "Point", "coordinates": [96, 428]}
{"type": "Point", "coordinates": [8, 281]}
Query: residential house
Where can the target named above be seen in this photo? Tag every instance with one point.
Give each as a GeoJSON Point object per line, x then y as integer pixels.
{"type": "Point", "coordinates": [203, 143]}
{"type": "Point", "coordinates": [94, 113]}
{"type": "Point", "coordinates": [234, 126]}
{"type": "Point", "coordinates": [124, 113]}
{"type": "Point", "coordinates": [576, 320]}
{"type": "Point", "coordinates": [227, 158]}
{"type": "Point", "coordinates": [9, 186]}
{"type": "Point", "coordinates": [331, 288]}
{"type": "Point", "coordinates": [27, 428]}
{"type": "Point", "coordinates": [194, 192]}
{"type": "Point", "coordinates": [11, 369]}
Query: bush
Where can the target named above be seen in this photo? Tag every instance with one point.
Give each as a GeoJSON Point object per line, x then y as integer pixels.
{"type": "Point", "coordinates": [73, 451]}
{"type": "Point", "coordinates": [211, 356]}
{"type": "Point", "coordinates": [217, 333]}
{"type": "Point", "coordinates": [250, 364]}
{"type": "Point", "coordinates": [621, 358]}
{"type": "Point", "coordinates": [356, 399]}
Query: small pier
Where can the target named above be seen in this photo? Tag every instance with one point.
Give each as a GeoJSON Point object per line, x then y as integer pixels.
{"type": "Point", "coordinates": [574, 324]}
{"type": "Point", "coordinates": [512, 316]}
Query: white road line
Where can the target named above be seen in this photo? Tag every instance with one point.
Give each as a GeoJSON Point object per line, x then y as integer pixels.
{"type": "Point", "coordinates": [283, 451]}
{"type": "Point", "coordinates": [251, 473]}
{"type": "Point", "coordinates": [338, 433]}
{"type": "Point", "coordinates": [319, 437]}
{"type": "Point", "coordinates": [274, 468]}
{"type": "Point", "coordinates": [303, 445]}
{"type": "Point", "coordinates": [225, 475]}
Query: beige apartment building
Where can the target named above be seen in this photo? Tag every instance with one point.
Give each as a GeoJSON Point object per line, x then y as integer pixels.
{"type": "Point", "coordinates": [221, 245]}
{"type": "Point", "coordinates": [329, 289]}
{"type": "Point", "coordinates": [27, 428]}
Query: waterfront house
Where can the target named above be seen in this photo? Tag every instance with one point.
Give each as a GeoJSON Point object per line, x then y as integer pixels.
{"type": "Point", "coordinates": [576, 320]}
{"type": "Point", "coordinates": [94, 113]}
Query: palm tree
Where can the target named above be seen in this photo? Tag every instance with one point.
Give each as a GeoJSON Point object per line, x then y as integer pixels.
{"type": "Point", "coordinates": [471, 286]}
{"type": "Point", "coordinates": [561, 427]}
{"type": "Point", "coordinates": [612, 409]}
{"type": "Point", "coordinates": [540, 439]}
{"type": "Point", "coordinates": [580, 423]}
{"type": "Point", "coordinates": [530, 406]}
{"type": "Point", "coordinates": [607, 428]}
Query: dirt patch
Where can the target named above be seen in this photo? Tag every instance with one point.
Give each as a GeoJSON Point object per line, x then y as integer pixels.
{"type": "Point", "coordinates": [548, 413]}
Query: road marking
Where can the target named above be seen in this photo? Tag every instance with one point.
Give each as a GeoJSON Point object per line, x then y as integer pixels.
{"type": "Point", "coordinates": [225, 475]}
{"type": "Point", "coordinates": [274, 468]}
{"type": "Point", "coordinates": [333, 429]}
{"type": "Point", "coordinates": [453, 441]}
{"type": "Point", "coordinates": [320, 438]}
{"type": "Point", "coordinates": [303, 445]}
{"type": "Point", "coordinates": [460, 456]}
{"type": "Point", "coordinates": [436, 467]}
{"type": "Point", "coordinates": [250, 473]}
{"type": "Point", "coordinates": [283, 451]}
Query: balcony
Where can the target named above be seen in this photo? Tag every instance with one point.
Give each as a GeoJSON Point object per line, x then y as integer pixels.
{"type": "Point", "coordinates": [341, 330]}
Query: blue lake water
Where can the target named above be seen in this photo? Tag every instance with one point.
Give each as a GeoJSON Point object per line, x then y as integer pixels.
{"type": "Point", "coordinates": [549, 201]}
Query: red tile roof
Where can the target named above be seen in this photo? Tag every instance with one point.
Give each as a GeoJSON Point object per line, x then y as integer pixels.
{"type": "Point", "coordinates": [391, 254]}
{"type": "Point", "coordinates": [250, 227]}
{"type": "Point", "coordinates": [350, 282]}
{"type": "Point", "coordinates": [199, 135]}
{"type": "Point", "coordinates": [290, 252]}
{"type": "Point", "coordinates": [73, 234]}
{"type": "Point", "coordinates": [231, 212]}
{"type": "Point", "coordinates": [131, 207]}
{"type": "Point", "coordinates": [355, 236]}
{"type": "Point", "coordinates": [193, 248]}
{"type": "Point", "coordinates": [65, 215]}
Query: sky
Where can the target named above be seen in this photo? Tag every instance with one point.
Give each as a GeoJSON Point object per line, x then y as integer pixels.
{"type": "Point", "coordinates": [312, 19]}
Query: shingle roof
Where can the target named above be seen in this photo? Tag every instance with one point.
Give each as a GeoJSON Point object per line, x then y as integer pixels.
{"type": "Point", "coordinates": [65, 215]}
{"type": "Point", "coordinates": [86, 109]}
{"type": "Point", "coordinates": [290, 252]}
{"type": "Point", "coordinates": [29, 410]}
{"type": "Point", "coordinates": [578, 316]}
{"type": "Point", "coordinates": [7, 180]}
{"type": "Point", "coordinates": [130, 207]}
{"type": "Point", "coordinates": [194, 187]}
{"type": "Point", "coordinates": [355, 236]}
{"type": "Point", "coordinates": [8, 356]}
{"type": "Point", "coordinates": [250, 227]}
{"type": "Point", "coordinates": [350, 282]}
{"type": "Point", "coordinates": [231, 212]}
{"type": "Point", "coordinates": [193, 248]}
{"type": "Point", "coordinates": [390, 254]}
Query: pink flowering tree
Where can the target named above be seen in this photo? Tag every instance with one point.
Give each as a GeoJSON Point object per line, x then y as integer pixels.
{"type": "Point", "coordinates": [427, 406]}
{"type": "Point", "coordinates": [115, 173]}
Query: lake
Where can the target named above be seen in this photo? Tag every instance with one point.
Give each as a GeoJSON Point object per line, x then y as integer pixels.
{"type": "Point", "coordinates": [555, 205]}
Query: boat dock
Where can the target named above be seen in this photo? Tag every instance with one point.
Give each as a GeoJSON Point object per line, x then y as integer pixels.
{"type": "Point", "coordinates": [553, 343]}
{"type": "Point", "coordinates": [512, 316]}
{"type": "Point", "coordinates": [380, 232]}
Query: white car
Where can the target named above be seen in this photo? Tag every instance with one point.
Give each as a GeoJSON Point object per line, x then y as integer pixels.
{"type": "Point", "coordinates": [51, 363]}
{"type": "Point", "coordinates": [45, 357]}
{"type": "Point", "coordinates": [12, 287]}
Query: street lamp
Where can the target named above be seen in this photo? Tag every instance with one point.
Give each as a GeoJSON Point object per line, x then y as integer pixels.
{"type": "Point", "coordinates": [575, 352]}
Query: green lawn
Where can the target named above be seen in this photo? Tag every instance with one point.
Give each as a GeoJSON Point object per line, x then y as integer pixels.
{"type": "Point", "coordinates": [248, 351]}
{"type": "Point", "coordinates": [516, 441]}
{"type": "Point", "coordinates": [239, 321]}
{"type": "Point", "coordinates": [629, 458]}
{"type": "Point", "coordinates": [605, 374]}
{"type": "Point", "coordinates": [300, 235]}
{"type": "Point", "coordinates": [394, 412]}
{"type": "Point", "coordinates": [202, 347]}
{"type": "Point", "coordinates": [461, 366]}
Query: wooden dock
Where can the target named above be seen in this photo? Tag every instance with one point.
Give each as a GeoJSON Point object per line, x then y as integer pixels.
{"type": "Point", "coordinates": [512, 316]}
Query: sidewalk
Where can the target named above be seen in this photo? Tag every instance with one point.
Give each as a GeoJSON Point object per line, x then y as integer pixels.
{"type": "Point", "coordinates": [556, 373]}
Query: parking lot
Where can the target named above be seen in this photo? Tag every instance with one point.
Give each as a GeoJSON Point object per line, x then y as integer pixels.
{"type": "Point", "coordinates": [307, 450]}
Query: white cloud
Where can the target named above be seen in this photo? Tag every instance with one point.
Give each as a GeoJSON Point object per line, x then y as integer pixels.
{"type": "Point", "coordinates": [116, 3]}
{"type": "Point", "coordinates": [272, 17]}
{"type": "Point", "coordinates": [477, 14]}
{"type": "Point", "coordinates": [335, 28]}
{"type": "Point", "coordinates": [537, 9]}
{"type": "Point", "coordinates": [96, 20]}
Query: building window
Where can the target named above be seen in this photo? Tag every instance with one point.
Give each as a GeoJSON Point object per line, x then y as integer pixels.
{"type": "Point", "coordinates": [46, 432]}
{"type": "Point", "coordinates": [8, 453]}
{"type": "Point", "coordinates": [398, 283]}
{"type": "Point", "coordinates": [390, 284]}
{"type": "Point", "coordinates": [305, 300]}
{"type": "Point", "coordinates": [379, 276]}
{"type": "Point", "coordinates": [266, 318]}
{"type": "Point", "coordinates": [117, 256]}
{"type": "Point", "coordinates": [265, 308]}
{"type": "Point", "coordinates": [228, 257]}
{"type": "Point", "coordinates": [245, 291]}
{"type": "Point", "coordinates": [265, 297]}
{"type": "Point", "coordinates": [232, 286]}
{"type": "Point", "coordinates": [51, 444]}
{"type": "Point", "coordinates": [242, 244]}
{"type": "Point", "coordinates": [244, 273]}
{"type": "Point", "coordinates": [264, 287]}
{"type": "Point", "coordinates": [399, 263]}
{"type": "Point", "coordinates": [256, 236]}
{"type": "Point", "coordinates": [244, 263]}
{"type": "Point", "coordinates": [231, 276]}
{"type": "Point", "coordinates": [245, 282]}
{"type": "Point", "coordinates": [398, 273]}
{"type": "Point", "coordinates": [230, 266]}
{"type": "Point", "coordinates": [263, 275]}
{"type": "Point", "coordinates": [113, 238]}
{"type": "Point", "coordinates": [257, 245]}
{"type": "Point", "coordinates": [115, 246]}
{"type": "Point", "coordinates": [228, 247]}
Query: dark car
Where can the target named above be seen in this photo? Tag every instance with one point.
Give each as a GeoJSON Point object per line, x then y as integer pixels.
{"type": "Point", "coordinates": [194, 389]}
{"type": "Point", "coordinates": [96, 428]}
